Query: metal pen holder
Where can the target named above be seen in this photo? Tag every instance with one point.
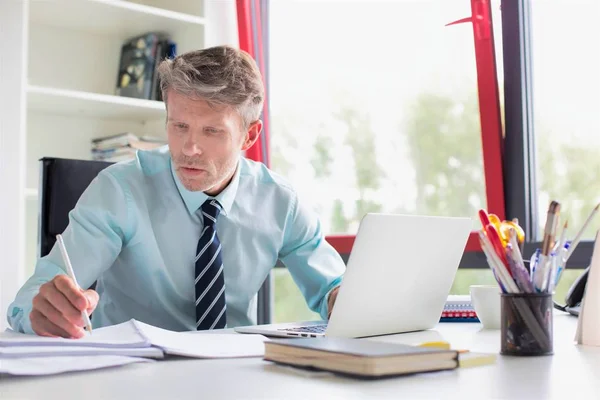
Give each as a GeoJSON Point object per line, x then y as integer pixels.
{"type": "Point", "coordinates": [526, 324]}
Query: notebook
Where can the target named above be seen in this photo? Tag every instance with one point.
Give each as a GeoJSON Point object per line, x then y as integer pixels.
{"type": "Point", "coordinates": [359, 358]}
{"type": "Point", "coordinates": [458, 308]}
{"type": "Point", "coordinates": [135, 338]}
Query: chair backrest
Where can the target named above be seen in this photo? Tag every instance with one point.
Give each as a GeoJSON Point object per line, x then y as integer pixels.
{"type": "Point", "coordinates": [62, 182]}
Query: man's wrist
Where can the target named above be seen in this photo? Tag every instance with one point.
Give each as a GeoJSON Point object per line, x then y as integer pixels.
{"type": "Point", "coordinates": [331, 299]}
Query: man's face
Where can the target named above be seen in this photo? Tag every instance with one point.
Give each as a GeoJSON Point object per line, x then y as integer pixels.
{"type": "Point", "coordinates": [205, 142]}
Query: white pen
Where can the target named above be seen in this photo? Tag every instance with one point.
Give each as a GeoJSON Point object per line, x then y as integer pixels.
{"type": "Point", "coordinates": [577, 238]}
{"type": "Point", "coordinates": [63, 251]}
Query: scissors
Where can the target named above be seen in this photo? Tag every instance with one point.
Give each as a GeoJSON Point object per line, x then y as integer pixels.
{"type": "Point", "coordinates": [501, 227]}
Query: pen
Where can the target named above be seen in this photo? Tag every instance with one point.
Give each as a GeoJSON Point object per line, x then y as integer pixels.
{"type": "Point", "coordinates": [533, 261]}
{"type": "Point", "coordinates": [63, 251]}
{"type": "Point", "coordinates": [520, 274]}
{"type": "Point", "coordinates": [563, 239]}
{"type": "Point", "coordinates": [557, 258]}
{"type": "Point", "coordinates": [496, 243]}
{"type": "Point", "coordinates": [497, 265]}
{"type": "Point", "coordinates": [562, 264]}
{"type": "Point", "coordinates": [542, 268]}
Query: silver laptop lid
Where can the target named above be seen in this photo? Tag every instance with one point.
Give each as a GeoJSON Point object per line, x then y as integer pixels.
{"type": "Point", "coordinates": [399, 274]}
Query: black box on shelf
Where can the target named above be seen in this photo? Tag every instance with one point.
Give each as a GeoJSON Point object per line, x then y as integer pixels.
{"type": "Point", "coordinates": [140, 56]}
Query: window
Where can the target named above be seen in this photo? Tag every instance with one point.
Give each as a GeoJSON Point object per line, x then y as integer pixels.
{"type": "Point", "coordinates": [369, 104]}
{"type": "Point", "coordinates": [374, 107]}
{"type": "Point", "coordinates": [566, 80]}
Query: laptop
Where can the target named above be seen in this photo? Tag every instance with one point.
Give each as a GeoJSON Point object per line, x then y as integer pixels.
{"type": "Point", "coordinates": [397, 278]}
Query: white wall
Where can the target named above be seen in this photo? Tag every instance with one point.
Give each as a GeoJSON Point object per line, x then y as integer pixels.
{"type": "Point", "coordinates": [13, 72]}
{"type": "Point", "coordinates": [221, 25]}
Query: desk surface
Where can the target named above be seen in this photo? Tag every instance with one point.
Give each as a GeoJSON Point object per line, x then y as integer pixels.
{"type": "Point", "coordinates": [571, 368]}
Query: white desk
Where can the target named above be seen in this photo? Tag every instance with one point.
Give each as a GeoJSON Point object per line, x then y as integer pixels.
{"type": "Point", "coordinates": [571, 369]}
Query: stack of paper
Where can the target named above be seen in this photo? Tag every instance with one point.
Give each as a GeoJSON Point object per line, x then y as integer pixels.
{"type": "Point", "coordinates": [58, 365]}
{"type": "Point", "coordinates": [125, 343]}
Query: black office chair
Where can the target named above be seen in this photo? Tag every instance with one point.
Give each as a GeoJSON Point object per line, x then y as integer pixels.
{"type": "Point", "coordinates": [62, 182]}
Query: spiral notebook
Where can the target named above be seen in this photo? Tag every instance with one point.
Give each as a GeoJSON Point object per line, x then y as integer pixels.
{"type": "Point", "coordinates": [458, 308]}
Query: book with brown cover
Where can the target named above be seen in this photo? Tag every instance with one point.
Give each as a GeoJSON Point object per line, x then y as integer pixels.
{"type": "Point", "coordinates": [359, 357]}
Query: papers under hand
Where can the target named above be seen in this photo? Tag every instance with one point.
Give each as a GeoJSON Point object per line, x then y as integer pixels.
{"type": "Point", "coordinates": [122, 335]}
{"type": "Point", "coordinates": [58, 365]}
{"type": "Point", "coordinates": [22, 354]}
{"type": "Point", "coordinates": [130, 335]}
{"type": "Point", "coordinates": [202, 345]}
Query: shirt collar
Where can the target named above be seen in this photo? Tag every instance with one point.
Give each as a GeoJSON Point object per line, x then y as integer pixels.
{"type": "Point", "coordinates": [194, 200]}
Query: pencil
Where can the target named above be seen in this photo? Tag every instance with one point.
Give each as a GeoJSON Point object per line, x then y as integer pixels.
{"type": "Point", "coordinates": [65, 255]}
{"type": "Point", "coordinates": [550, 228]}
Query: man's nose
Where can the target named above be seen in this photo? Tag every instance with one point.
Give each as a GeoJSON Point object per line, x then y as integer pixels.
{"type": "Point", "coordinates": [192, 145]}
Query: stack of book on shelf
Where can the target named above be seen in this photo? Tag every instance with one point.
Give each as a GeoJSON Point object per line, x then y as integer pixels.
{"type": "Point", "coordinates": [140, 57]}
{"type": "Point", "coordinates": [122, 146]}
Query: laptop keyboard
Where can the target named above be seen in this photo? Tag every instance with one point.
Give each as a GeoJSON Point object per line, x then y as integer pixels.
{"type": "Point", "coordinates": [307, 329]}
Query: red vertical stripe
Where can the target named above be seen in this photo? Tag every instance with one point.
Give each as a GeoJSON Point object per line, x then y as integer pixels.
{"type": "Point", "coordinates": [245, 26]}
{"type": "Point", "coordinates": [489, 106]}
{"type": "Point", "coordinates": [260, 58]}
{"type": "Point", "coordinates": [246, 41]}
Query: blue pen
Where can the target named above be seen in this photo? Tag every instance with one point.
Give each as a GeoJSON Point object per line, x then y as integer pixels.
{"type": "Point", "coordinates": [561, 263]}
{"type": "Point", "coordinates": [535, 258]}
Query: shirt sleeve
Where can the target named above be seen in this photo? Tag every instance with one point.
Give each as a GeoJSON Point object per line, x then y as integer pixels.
{"type": "Point", "coordinates": [316, 267]}
{"type": "Point", "coordinates": [93, 239]}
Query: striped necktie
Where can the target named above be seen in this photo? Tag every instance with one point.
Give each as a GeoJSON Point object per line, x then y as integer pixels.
{"type": "Point", "coordinates": [210, 282]}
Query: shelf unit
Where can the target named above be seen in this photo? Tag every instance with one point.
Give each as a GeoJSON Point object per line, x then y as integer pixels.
{"type": "Point", "coordinates": [73, 103]}
{"type": "Point", "coordinates": [58, 65]}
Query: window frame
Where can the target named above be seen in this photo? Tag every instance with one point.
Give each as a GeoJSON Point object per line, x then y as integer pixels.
{"type": "Point", "coordinates": [520, 161]}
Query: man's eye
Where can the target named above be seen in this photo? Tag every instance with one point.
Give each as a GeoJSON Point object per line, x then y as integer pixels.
{"type": "Point", "coordinates": [212, 130]}
{"type": "Point", "coordinates": [180, 126]}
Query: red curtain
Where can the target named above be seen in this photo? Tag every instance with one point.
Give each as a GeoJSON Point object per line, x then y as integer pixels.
{"type": "Point", "coordinates": [252, 27]}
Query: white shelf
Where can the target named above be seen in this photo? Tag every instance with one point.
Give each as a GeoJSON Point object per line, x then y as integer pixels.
{"type": "Point", "coordinates": [92, 105]}
{"type": "Point", "coordinates": [111, 17]}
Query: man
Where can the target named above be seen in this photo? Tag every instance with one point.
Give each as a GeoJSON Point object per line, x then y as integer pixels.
{"type": "Point", "coordinates": [184, 236]}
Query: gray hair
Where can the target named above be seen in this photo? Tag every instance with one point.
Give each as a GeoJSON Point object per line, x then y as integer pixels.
{"type": "Point", "coordinates": [221, 75]}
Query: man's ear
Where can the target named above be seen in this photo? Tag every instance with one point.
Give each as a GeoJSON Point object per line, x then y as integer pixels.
{"type": "Point", "coordinates": [252, 134]}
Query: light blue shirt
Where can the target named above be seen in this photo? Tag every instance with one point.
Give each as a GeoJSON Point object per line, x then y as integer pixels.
{"type": "Point", "coordinates": [136, 228]}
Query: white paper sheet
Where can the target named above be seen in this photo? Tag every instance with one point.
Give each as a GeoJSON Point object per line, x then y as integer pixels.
{"type": "Point", "coordinates": [58, 365]}
{"type": "Point", "coordinates": [121, 335]}
{"type": "Point", "coordinates": [198, 345]}
{"type": "Point", "coordinates": [50, 351]}
{"type": "Point", "coordinates": [588, 323]}
{"type": "Point", "coordinates": [134, 334]}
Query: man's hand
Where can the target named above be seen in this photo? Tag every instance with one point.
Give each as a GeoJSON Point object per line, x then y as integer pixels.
{"type": "Point", "coordinates": [331, 300]}
{"type": "Point", "coordinates": [57, 308]}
